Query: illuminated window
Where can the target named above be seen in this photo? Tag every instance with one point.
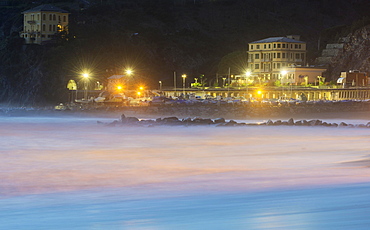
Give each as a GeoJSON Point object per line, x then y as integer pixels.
{"type": "Point", "coordinates": [257, 66]}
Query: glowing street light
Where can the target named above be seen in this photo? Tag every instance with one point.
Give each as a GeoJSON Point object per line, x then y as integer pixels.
{"type": "Point", "coordinates": [183, 83]}
{"type": "Point", "coordinates": [247, 75]}
{"type": "Point", "coordinates": [283, 73]}
{"type": "Point", "coordinates": [128, 71]}
{"type": "Point", "coordinates": [86, 77]}
{"type": "Point", "coordinates": [160, 85]}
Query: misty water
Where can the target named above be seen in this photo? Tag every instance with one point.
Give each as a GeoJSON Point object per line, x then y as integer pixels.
{"type": "Point", "coordinates": [72, 173]}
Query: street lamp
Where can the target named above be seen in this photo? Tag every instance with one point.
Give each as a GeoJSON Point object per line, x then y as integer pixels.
{"type": "Point", "coordinates": [283, 73]}
{"type": "Point", "coordinates": [85, 76]}
{"type": "Point", "coordinates": [160, 85]}
{"type": "Point", "coordinates": [183, 84]}
{"type": "Point", "coordinates": [247, 75]}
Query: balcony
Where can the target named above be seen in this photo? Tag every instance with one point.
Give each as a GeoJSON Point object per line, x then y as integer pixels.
{"type": "Point", "coordinates": [266, 60]}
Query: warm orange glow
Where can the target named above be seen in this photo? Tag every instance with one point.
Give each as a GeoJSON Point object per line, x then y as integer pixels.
{"type": "Point", "coordinates": [259, 92]}
{"type": "Point", "coordinates": [119, 87]}
{"type": "Point", "coordinates": [139, 93]}
{"type": "Point", "coordinates": [85, 75]}
{"type": "Point", "coordinates": [141, 88]}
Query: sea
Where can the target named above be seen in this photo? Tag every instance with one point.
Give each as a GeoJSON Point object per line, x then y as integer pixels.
{"type": "Point", "coordinates": [66, 172]}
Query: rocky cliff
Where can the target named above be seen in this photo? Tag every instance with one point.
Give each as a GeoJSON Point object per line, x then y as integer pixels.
{"type": "Point", "coordinates": [355, 54]}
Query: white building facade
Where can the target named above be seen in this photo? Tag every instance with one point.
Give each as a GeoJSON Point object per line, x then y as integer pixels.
{"type": "Point", "coordinates": [269, 59]}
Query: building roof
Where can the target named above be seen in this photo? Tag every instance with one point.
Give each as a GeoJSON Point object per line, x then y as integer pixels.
{"type": "Point", "coordinates": [46, 7]}
{"type": "Point", "coordinates": [116, 76]}
{"type": "Point", "coordinates": [277, 39]}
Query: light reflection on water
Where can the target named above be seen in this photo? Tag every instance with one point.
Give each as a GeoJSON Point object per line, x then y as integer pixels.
{"type": "Point", "coordinates": [180, 177]}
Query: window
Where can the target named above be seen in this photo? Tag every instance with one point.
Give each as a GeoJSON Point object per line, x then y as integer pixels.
{"type": "Point", "coordinates": [258, 47]}
{"type": "Point", "coordinates": [54, 18]}
{"type": "Point", "coordinates": [283, 55]}
{"type": "Point", "coordinates": [274, 46]}
{"type": "Point", "coordinates": [278, 46]}
{"type": "Point", "coordinates": [302, 56]}
{"type": "Point", "coordinates": [274, 55]}
{"type": "Point", "coordinates": [257, 66]}
{"type": "Point", "coordinates": [49, 27]}
{"type": "Point", "coordinates": [38, 17]}
{"type": "Point", "coordinates": [59, 18]}
{"type": "Point", "coordinates": [269, 46]}
{"type": "Point", "coordinates": [278, 65]}
{"type": "Point", "coordinates": [264, 46]}
{"type": "Point", "coordinates": [291, 55]}
{"type": "Point", "coordinates": [53, 27]}
{"type": "Point", "coordinates": [43, 27]}
{"type": "Point", "coordinates": [278, 55]}
{"type": "Point", "coordinates": [64, 18]}
{"type": "Point", "coordinates": [257, 56]}
{"type": "Point", "coordinates": [291, 46]}
{"type": "Point", "coordinates": [300, 46]}
{"type": "Point", "coordinates": [50, 17]}
{"type": "Point", "coordinates": [295, 46]}
{"type": "Point", "coordinates": [283, 45]}
{"type": "Point", "coordinates": [44, 17]}
{"type": "Point", "coordinates": [251, 47]}
{"type": "Point", "coordinates": [296, 56]}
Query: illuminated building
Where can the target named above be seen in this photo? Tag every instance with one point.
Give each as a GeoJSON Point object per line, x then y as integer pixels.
{"type": "Point", "coordinates": [42, 23]}
{"type": "Point", "coordinates": [267, 58]}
